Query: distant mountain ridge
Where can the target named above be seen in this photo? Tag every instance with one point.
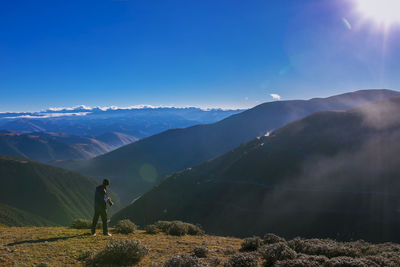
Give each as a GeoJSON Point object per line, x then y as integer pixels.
{"type": "Point", "coordinates": [135, 121]}
{"type": "Point", "coordinates": [331, 174]}
{"type": "Point", "coordinates": [135, 168]}
{"type": "Point", "coordinates": [48, 147]}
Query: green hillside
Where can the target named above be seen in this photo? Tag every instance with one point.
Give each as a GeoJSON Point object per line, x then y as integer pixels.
{"type": "Point", "coordinates": [332, 174]}
{"type": "Point", "coordinates": [14, 217]}
{"type": "Point", "coordinates": [52, 193]}
{"type": "Point", "coordinates": [135, 168]}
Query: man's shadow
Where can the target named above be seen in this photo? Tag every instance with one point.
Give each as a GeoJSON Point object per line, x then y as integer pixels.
{"type": "Point", "coordinates": [53, 239]}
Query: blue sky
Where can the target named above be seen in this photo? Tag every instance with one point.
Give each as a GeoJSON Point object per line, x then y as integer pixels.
{"type": "Point", "coordinates": [206, 53]}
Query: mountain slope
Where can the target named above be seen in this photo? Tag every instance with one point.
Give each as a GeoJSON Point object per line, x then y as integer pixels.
{"type": "Point", "coordinates": [135, 168]}
{"type": "Point", "coordinates": [47, 147]}
{"type": "Point", "coordinates": [115, 139]}
{"type": "Point", "coordinates": [54, 194]}
{"type": "Point", "coordinates": [332, 174]}
{"type": "Point", "coordinates": [14, 217]}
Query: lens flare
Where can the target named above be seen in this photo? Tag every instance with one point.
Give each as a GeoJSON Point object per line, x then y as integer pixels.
{"type": "Point", "coordinates": [383, 12]}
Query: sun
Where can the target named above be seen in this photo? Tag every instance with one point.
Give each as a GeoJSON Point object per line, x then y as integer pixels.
{"type": "Point", "coordinates": [383, 12]}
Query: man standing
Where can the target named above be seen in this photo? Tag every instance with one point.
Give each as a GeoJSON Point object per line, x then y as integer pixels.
{"type": "Point", "coordinates": [100, 207]}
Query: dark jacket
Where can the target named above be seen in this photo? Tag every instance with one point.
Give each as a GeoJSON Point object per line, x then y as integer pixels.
{"type": "Point", "coordinates": [100, 197]}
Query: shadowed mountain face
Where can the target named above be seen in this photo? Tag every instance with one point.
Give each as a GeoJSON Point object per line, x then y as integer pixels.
{"type": "Point", "coordinates": [47, 147]}
{"type": "Point", "coordinates": [332, 174]}
{"type": "Point", "coordinates": [135, 168]}
{"type": "Point", "coordinates": [54, 194]}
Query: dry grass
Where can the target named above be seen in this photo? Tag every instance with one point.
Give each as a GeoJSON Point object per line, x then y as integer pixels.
{"type": "Point", "coordinates": [60, 246]}
{"type": "Point", "coordinates": [55, 246]}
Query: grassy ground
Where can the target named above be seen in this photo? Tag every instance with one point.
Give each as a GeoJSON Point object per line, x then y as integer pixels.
{"type": "Point", "coordinates": [60, 246]}
{"type": "Point", "coordinates": [55, 246]}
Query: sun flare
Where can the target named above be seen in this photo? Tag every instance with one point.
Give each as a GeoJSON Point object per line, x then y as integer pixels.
{"type": "Point", "coordinates": [384, 12]}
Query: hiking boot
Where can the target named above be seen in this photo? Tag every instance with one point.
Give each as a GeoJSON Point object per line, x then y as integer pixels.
{"type": "Point", "coordinates": [108, 234]}
{"type": "Point", "coordinates": [94, 234]}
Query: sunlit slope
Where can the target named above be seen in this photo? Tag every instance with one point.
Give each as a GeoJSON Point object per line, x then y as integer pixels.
{"type": "Point", "coordinates": [49, 147]}
{"type": "Point", "coordinates": [54, 194]}
{"type": "Point", "coordinates": [332, 174]}
{"type": "Point", "coordinates": [135, 168]}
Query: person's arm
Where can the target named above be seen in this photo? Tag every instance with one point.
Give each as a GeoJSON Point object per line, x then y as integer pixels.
{"type": "Point", "coordinates": [107, 199]}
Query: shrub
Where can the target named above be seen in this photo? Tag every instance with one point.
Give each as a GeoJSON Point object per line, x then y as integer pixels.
{"type": "Point", "coordinates": [152, 229]}
{"type": "Point", "coordinates": [125, 227]}
{"type": "Point", "coordinates": [120, 252]}
{"type": "Point", "coordinates": [303, 261]}
{"type": "Point", "coordinates": [324, 247]}
{"type": "Point", "coordinates": [177, 228]}
{"type": "Point", "coordinates": [350, 262]}
{"type": "Point", "coordinates": [84, 224]}
{"type": "Point", "coordinates": [229, 250]}
{"type": "Point", "coordinates": [200, 252]}
{"type": "Point", "coordinates": [242, 260]}
{"type": "Point", "coordinates": [194, 229]}
{"type": "Point", "coordinates": [272, 239]}
{"type": "Point", "coordinates": [277, 252]}
{"type": "Point", "coordinates": [163, 226]}
{"type": "Point", "coordinates": [251, 244]}
{"type": "Point", "coordinates": [184, 261]}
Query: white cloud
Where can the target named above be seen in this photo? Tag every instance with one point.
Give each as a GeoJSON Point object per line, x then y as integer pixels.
{"type": "Point", "coordinates": [48, 115]}
{"type": "Point", "coordinates": [347, 23]}
{"type": "Point", "coordinates": [275, 96]}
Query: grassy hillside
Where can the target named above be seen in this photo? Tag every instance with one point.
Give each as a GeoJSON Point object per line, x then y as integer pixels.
{"type": "Point", "coordinates": [54, 194]}
{"type": "Point", "coordinates": [332, 174]}
{"type": "Point", "coordinates": [32, 246]}
{"type": "Point", "coordinates": [11, 216]}
{"type": "Point", "coordinates": [135, 168]}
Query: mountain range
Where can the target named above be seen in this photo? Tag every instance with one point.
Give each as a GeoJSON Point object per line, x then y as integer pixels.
{"type": "Point", "coordinates": [331, 174]}
{"type": "Point", "coordinates": [137, 167]}
{"type": "Point", "coordinates": [139, 122]}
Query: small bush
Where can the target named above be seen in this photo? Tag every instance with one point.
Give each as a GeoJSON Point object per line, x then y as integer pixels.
{"type": "Point", "coordinates": [178, 229]}
{"type": "Point", "coordinates": [229, 250]}
{"type": "Point", "coordinates": [120, 252]}
{"type": "Point", "coordinates": [200, 252]}
{"type": "Point", "coordinates": [349, 262]}
{"type": "Point", "coordinates": [125, 227]}
{"type": "Point", "coordinates": [163, 226]}
{"type": "Point", "coordinates": [324, 247]}
{"type": "Point", "coordinates": [251, 244]}
{"type": "Point", "coordinates": [272, 239]}
{"type": "Point", "coordinates": [84, 224]}
{"type": "Point", "coordinates": [184, 261]}
{"type": "Point", "coordinates": [152, 229]}
{"type": "Point", "coordinates": [242, 260]}
{"type": "Point", "coordinates": [303, 261]}
{"type": "Point", "coordinates": [277, 252]}
{"type": "Point", "coordinates": [194, 229]}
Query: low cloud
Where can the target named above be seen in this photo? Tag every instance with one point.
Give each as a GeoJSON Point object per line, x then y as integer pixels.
{"type": "Point", "coordinates": [275, 96]}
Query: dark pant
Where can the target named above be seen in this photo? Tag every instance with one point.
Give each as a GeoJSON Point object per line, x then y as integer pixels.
{"type": "Point", "coordinates": [103, 213]}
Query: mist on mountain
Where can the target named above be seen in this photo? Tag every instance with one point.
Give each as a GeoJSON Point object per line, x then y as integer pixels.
{"type": "Point", "coordinates": [332, 174]}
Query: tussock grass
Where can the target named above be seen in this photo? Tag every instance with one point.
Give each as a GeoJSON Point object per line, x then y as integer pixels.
{"type": "Point", "coordinates": [61, 246]}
